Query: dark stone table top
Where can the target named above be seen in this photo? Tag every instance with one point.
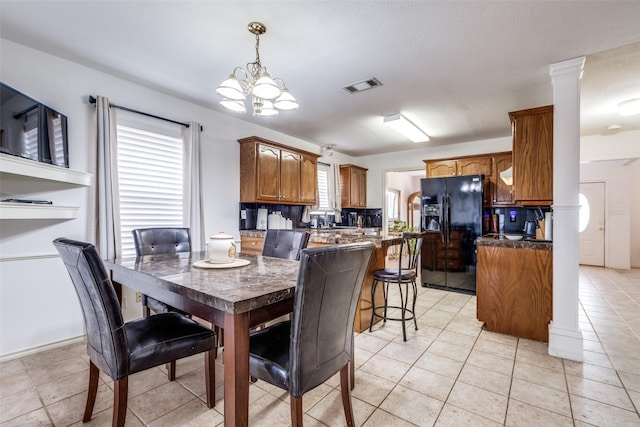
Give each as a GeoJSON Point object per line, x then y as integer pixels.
{"type": "Point", "coordinates": [337, 236]}
{"type": "Point", "coordinates": [234, 290]}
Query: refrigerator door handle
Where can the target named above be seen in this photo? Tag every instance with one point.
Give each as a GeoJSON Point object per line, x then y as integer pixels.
{"type": "Point", "coordinates": [448, 220]}
{"type": "Point", "coordinates": [443, 220]}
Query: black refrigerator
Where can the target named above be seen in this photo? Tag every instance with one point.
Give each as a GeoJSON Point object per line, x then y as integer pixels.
{"type": "Point", "coordinates": [452, 220]}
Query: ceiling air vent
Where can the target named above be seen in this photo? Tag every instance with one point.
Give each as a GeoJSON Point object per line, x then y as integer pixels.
{"type": "Point", "coordinates": [362, 85]}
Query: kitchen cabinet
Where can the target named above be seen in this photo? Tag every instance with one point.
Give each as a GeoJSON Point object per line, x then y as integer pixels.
{"type": "Point", "coordinates": [251, 245]}
{"type": "Point", "coordinates": [274, 173]}
{"type": "Point", "coordinates": [501, 192]}
{"type": "Point", "coordinates": [533, 155]}
{"type": "Point", "coordinates": [353, 186]}
{"type": "Point", "coordinates": [468, 165]}
{"type": "Point", "coordinates": [514, 290]}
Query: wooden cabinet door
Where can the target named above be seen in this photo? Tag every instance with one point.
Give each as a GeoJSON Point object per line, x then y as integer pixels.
{"type": "Point", "coordinates": [361, 183]}
{"type": "Point", "coordinates": [353, 186]}
{"type": "Point", "coordinates": [533, 155]}
{"type": "Point", "coordinates": [502, 192]}
{"type": "Point", "coordinates": [289, 176]}
{"type": "Point", "coordinates": [442, 168]}
{"type": "Point", "coordinates": [308, 180]}
{"type": "Point", "coordinates": [268, 173]}
{"type": "Point", "coordinates": [478, 166]}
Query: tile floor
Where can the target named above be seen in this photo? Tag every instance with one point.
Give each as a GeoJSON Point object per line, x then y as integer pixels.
{"type": "Point", "coordinates": [449, 373]}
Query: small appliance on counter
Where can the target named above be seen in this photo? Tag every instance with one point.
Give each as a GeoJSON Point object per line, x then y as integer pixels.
{"type": "Point", "coordinates": [261, 223]}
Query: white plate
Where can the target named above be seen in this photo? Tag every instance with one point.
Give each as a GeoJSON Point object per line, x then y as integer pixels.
{"type": "Point", "coordinates": [237, 262]}
{"type": "Point", "coordinates": [513, 236]}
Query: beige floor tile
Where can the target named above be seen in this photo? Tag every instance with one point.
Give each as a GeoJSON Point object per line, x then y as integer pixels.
{"type": "Point", "coordinates": [601, 414]}
{"type": "Point", "coordinates": [403, 352]}
{"type": "Point", "coordinates": [18, 404]}
{"type": "Point", "coordinates": [62, 388]}
{"type": "Point", "coordinates": [369, 388]}
{"type": "Point", "coordinates": [269, 411]}
{"type": "Point", "coordinates": [195, 380]}
{"type": "Point", "coordinates": [486, 379]}
{"type": "Point", "coordinates": [52, 371]}
{"type": "Point", "coordinates": [12, 367]}
{"type": "Point", "coordinates": [105, 418]}
{"type": "Point", "coordinates": [38, 417]}
{"type": "Point", "coordinates": [361, 356]}
{"type": "Point", "coordinates": [194, 414]}
{"type": "Point", "coordinates": [630, 365]}
{"type": "Point", "coordinates": [381, 418]}
{"type": "Point", "coordinates": [403, 403]}
{"type": "Point", "coordinates": [507, 351]}
{"type": "Point", "coordinates": [456, 352]}
{"type": "Point", "coordinates": [491, 362]}
{"type": "Point", "coordinates": [71, 409]}
{"type": "Point", "coordinates": [308, 421]}
{"type": "Point", "coordinates": [457, 338]}
{"type": "Point", "coordinates": [539, 375]}
{"type": "Point", "coordinates": [159, 401]}
{"type": "Point", "coordinates": [592, 372]}
{"type": "Point", "coordinates": [601, 392]}
{"type": "Point", "coordinates": [539, 359]}
{"type": "Point", "coordinates": [330, 411]}
{"type": "Point", "coordinates": [593, 358]}
{"type": "Point", "coordinates": [13, 384]}
{"type": "Point", "coordinates": [385, 367]}
{"type": "Point", "coordinates": [452, 416]}
{"type": "Point", "coordinates": [478, 401]}
{"type": "Point", "coordinates": [535, 346]}
{"type": "Point", "coordinates": [55, 355]}
{"type": "Point", "coordinates": [368, 341]}
{"type": "Point", "coordinates": [499, 338]}
{"type": "Point", "coordinates": [440, 365]}
{"type": "Point", "coordinates": [522, 414]}
{"type": "Point", "coordinates": [631, 381]}
{"type": "Point", "coordinates": [428, 382]}
{"type": "Point", "coordinates": [466, 326]}
{"type": "Point", "coordinates": [540, 396]}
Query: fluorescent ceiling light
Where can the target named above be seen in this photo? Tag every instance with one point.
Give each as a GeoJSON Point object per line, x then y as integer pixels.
{"type": "Point", "coordinates": [630, 107]}
{"type": "Point", "coordinates": [401, 124]}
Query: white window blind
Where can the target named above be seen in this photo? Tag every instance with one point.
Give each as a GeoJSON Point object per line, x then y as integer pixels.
{"type": "Point", "coordinates": [324, 203]}
{"type": "Point", "coordinates": [150, 175]}
{"type": "Point", "coordinates": [30, 134]}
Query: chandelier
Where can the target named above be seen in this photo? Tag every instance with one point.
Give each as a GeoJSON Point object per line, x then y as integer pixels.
{"type": "Point", "coordinates": [266, 96]}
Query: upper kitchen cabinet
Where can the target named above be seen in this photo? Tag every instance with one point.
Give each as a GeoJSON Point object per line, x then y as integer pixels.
{"type": "Point", "coordinates": [470, 165]}
{"type": "Point", "coordinates": [501, 191]}
{"type": "Point", "coordinates": [442, 168]}
{"type": "Point", "coordinates": [274, 173]}
{"type": "Point", "coordinates": [353, 186]}
{"type": "Point", "coordinates": [533, 155]}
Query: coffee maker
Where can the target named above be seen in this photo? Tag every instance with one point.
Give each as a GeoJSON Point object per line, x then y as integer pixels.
{"type": "Point", "coordinates": [431, 215]}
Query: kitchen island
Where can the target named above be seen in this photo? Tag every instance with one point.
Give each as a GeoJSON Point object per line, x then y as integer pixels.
{"type": "Point", "coordinates": [251, 243]}
{"type": "Point", "coordinates": [514, 286]}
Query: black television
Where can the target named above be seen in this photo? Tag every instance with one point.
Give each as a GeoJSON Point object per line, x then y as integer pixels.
{"type": "Point", "coordinates": [32, 130]}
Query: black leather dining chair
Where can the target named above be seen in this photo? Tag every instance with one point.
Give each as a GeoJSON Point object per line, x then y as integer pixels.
{"type": "Point", "coordinates": [403, 276]}
{"type": "Point", "coordinates": [300, 354]}
{"type": "Point", "coordinates": [120, 349]}
{"type": "Point", "coordinates": [285, 244]}
{"type": "Point", "coordinates": [153, 241]}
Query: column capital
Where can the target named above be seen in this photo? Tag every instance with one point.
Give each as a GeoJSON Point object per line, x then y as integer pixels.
{"type": "Point", "coordinates": [568, 67]}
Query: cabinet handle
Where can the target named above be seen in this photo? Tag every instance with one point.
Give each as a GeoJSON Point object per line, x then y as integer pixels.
{"type": "Point", "coordinates": [253, 243]}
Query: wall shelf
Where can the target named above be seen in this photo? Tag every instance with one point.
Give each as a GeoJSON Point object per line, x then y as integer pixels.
{"type": "Point", "coordinates": [14, 165]}
{"type": "Point", "coordinates": [9, 210]}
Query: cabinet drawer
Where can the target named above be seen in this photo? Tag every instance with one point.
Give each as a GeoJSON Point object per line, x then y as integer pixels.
{"type": "Point", "coordinates": [251, 245]}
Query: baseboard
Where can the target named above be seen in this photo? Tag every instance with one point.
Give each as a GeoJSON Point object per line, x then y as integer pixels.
{"type": "Point", "coordinates": [34, 350]}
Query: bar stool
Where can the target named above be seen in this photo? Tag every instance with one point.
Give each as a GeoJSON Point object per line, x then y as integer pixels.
{"type": "Point", "coordinates": [404, 277]}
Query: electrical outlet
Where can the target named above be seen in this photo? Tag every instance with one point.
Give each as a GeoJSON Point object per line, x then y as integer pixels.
{"type": "Point", "coordinates": [138, 297]}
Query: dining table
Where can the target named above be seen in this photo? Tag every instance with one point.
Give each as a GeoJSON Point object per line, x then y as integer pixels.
{"type": "Point", "coordinates": [234, 298]}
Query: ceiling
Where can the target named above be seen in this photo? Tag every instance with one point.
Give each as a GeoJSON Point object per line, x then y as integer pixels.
{"type": "Point", "coordinates": [453, 68]}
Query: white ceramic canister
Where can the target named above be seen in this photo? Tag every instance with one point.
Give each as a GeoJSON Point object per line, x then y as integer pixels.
{"type": "Point", "coordinates": [222, 248]}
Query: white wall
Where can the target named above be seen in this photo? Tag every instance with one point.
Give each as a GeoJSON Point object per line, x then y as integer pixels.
{"type": "Point", "coordinates": [634, 176]}
{"type": "Point", "coordinates": [37, 301]}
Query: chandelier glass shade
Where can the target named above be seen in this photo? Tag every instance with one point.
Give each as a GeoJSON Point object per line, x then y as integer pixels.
{"type": "Point", "coordinates": [267, 97]}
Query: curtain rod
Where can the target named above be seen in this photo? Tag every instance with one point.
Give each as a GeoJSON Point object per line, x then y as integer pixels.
{"type": "Point", "coordinates": [92, 100]}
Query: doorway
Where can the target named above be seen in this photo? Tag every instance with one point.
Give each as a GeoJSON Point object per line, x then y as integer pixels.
{"type": "Point", "coordinates": [403, 184]}
{"type": "Point", "coordinates": [592, 223]}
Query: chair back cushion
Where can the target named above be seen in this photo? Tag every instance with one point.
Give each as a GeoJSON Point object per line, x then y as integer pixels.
{"type": "Point", "coordinates": [285, 244]}
{"type": "Point", "coordinates": [153, 241]}
{"type": "Point", "coordinates": [330, 279]}
{"type": "Point", "coordinates": [106, 341]}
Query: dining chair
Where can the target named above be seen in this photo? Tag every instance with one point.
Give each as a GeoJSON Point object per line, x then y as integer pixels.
{"type": "Point", "coordinates": [155, 241]}
{"type": "Point", "coordinates": [120, 349]}
{"type": "Point", "coordinates": [285, 244]}
{"type": "Point", "coordinates": [298, 355]}
{"type": "Point", "coordinates": [404, 277]}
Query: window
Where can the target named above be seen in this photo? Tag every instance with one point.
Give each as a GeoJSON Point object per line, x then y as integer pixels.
{"type": "Point", "coordinates": [150, 175]}
{"type": "Point", "coordinates": [393, 204]}
{"type": "Point", "coordinates": [325, 190]}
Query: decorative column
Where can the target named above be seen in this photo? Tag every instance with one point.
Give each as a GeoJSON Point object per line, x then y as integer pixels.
{"type": "Point", "coordinates": [565, 337]}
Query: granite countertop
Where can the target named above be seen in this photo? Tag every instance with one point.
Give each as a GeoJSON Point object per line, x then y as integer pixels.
{"type": "Point", "coordinates": [502, 242]}
{"type": "Point", "coordinates": [337, 236]}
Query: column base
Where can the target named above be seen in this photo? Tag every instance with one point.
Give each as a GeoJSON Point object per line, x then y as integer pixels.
{"type": "Point", "coordinates": [565, 343]}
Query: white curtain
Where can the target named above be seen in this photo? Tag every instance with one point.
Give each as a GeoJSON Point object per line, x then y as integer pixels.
{"type": "Point", "coordinates": [107, 204]}
{"type": "Point", "coordinates": [336, 196]}
{"type": "Point", "coordinates": [193, 210]}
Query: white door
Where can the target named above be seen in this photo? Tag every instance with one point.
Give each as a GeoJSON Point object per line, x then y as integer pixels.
{"type": "Point", "coordinates": [592, 208]}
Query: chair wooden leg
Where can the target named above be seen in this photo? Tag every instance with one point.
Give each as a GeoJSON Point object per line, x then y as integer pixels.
{"type": "Point", "coordinates": [346, 395]}
{"type": "Point", "coordinates": [171, 370]}
{"type": "Point", "coordinates": [210, 377]}
{"type": "Point", "coordinates": [120, 391]}
{"type": "Point", "coordinates": [94, 374]}
{"type": "Point", "coordinates": [296, 411]}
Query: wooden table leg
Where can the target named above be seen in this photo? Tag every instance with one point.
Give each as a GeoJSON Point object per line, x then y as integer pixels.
{"type": "Point", "coordinates": [236, 369]}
